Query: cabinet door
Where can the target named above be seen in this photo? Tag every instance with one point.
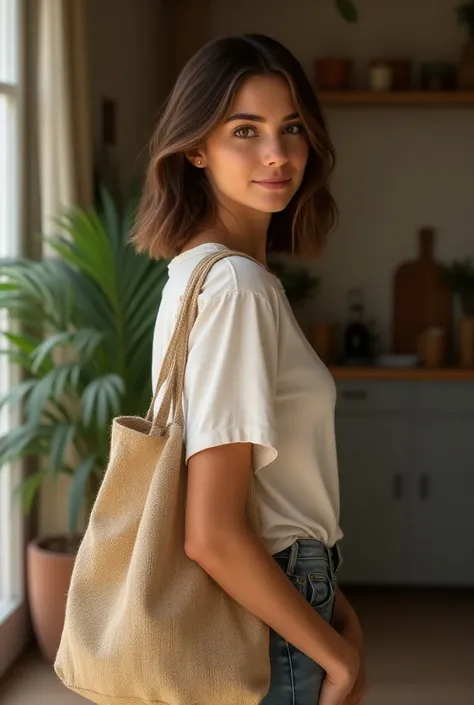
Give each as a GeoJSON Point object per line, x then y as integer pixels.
{"type": "Point", "coordinates": [443, 540]}
{"type": "Point", "coordinates": [374, 482]}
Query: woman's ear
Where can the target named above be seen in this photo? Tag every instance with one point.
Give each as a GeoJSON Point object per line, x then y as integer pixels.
{"type": "Point", "coordinates": [196, 158]}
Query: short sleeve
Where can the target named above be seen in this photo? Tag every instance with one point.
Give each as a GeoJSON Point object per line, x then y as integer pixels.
{"type": "Point", "coordinates": [231, 376]}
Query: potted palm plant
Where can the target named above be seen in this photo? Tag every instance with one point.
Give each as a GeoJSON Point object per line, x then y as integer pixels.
{"type": "Point", "coordinates": [79, 327]}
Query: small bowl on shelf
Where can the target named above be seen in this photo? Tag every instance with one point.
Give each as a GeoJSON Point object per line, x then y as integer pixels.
{"type": "Point", "coordinates": [333, 73]}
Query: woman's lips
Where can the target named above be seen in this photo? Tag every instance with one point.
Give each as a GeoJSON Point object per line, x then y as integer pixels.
{"type": "Point", "coordinates": [274, 184]}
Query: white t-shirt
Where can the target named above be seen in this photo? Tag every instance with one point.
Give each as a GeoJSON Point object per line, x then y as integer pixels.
{"type": "Point", "coordinates": [253, 377]}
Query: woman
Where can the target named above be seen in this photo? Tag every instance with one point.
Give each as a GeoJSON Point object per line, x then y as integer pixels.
{"type": "Point", "coordinates": [241, 160]}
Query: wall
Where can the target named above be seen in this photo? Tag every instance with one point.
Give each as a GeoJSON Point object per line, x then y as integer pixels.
{"type": "Point", "coordinates": [187, 25]}
{"type": "Point", "coordinates": [398, 168]}
{"type": "Point", "coordinates": [126, 59]}
{"type": "Point", "coordinates": [126, 64]}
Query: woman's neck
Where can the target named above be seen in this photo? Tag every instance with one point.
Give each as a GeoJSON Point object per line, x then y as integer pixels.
{"type": "Point", "coordinates": [244, 232]}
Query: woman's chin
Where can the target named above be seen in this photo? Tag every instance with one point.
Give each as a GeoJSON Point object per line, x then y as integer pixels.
{"type": "Point", "coordinates": [274, 205]}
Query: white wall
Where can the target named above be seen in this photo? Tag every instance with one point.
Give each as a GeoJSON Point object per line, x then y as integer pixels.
{"type": "Point", "coordinates": [398, 168]}
{"type": "Point", "coordinates": [126, 59]}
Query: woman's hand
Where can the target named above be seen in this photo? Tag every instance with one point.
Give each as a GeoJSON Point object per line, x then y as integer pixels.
{"type": "Point", "coordinates": [352, 632]}
{"type": "Point", "coordinates": [348, 625]}
{"type": "Point", "coordinates": [339, 683]}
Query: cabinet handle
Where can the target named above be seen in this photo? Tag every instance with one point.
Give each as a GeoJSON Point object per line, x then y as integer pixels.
{"type": "Point", "coordinates": [355, 394]}
{"type": "Point", "coordinates": [398, 485]}
{"type": "Point", "coordinates": [425, 487]}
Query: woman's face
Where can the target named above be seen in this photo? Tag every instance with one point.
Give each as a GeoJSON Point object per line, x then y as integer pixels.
{"type": "Point", "coordinates": [258, 155]}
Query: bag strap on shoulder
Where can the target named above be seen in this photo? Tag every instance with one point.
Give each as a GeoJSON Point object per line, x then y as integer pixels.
{"type": "Point", "coordinates": [173, 367]}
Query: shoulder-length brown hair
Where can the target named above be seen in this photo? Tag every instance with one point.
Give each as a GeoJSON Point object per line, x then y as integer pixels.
{"type": "Point", "coordinates": [177, 201]}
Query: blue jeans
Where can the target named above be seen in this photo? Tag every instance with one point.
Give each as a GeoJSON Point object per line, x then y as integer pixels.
{"type": "Point", "coordinates": [295, 678]}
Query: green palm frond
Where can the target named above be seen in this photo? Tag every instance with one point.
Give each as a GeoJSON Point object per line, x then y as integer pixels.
{"type": "Point", "coordinates": [79, 489]}
{"type": "Point", "coordinates": [28, 489]}
{"type": "Point", "coordinates": [101, 400]}
{"type": "Point", "coordinates": [17, 393]}
{"type": "Point", "coordinates": [60, 380]}
{"type": "Point", "coordinates": [44, 349]}
{"type": "Point", "coordinates": [86, 317]}
{"type": "Point", "coordinates": [24, 440]}
{"type": "Point", "coordinates": [61, 439]}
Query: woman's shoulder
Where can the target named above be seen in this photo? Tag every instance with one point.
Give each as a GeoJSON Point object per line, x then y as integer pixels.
{"type": "Point", "coordinates": [234, 273]}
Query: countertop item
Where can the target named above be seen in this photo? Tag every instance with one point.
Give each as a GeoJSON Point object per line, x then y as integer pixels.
{"type": "Point", "coordinates": [421, 299]}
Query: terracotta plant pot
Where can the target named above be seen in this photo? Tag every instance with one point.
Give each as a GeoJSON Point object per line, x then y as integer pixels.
{"type": "Point", "coordinates": [50, 561]}
{"type": "Point", "coordinates": [466, 67]}
{"type": "Point", "coordinates": [333, 74]}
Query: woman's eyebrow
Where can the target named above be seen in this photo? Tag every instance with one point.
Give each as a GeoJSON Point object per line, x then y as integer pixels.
{"type": "Point", "coordinates": [257, 118]}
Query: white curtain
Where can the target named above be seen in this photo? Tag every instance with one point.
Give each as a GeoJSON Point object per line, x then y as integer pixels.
{"type": "Point", "coordinates": [59, 136]}
{"type": "Point", "coordinates": [63, 108]}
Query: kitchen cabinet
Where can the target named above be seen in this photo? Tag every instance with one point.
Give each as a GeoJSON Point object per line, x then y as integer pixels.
{"type": "Point", "coordinates": [443, 501]}
{"type": "Point", "coordinates": [373, 512]}
{"type": "Point", "coordinates": [406, 465]}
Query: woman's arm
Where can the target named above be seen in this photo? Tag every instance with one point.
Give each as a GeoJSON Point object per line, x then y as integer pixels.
{"type": "Point", "coordinates": [347, 623]}
{"type": "Point", "coordinates": [220, 540]}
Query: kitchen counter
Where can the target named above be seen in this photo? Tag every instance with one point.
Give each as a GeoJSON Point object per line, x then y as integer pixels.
{"type": "Point", "coordinates": [452, 374]}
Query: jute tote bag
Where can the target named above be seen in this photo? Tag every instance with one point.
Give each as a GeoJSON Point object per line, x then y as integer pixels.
{"type": "Point", "coordinates": [144, 623]}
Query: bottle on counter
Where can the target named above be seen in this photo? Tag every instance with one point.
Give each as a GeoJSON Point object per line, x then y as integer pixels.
{"type": "Point", "coordinates": [357, 335]}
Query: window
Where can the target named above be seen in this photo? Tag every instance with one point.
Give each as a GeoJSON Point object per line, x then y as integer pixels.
{"type": "Point", "coordinates": [11, 534]}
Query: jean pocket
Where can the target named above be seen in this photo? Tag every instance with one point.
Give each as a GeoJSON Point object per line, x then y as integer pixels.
{"type": "Point", "coordinates": [299, 582]}
{"type": "Point", "coordinates": [321, 591]}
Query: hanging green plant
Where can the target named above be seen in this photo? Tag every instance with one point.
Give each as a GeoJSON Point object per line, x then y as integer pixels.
{"type": "Point", "coordinates": [348, 10]}
{"type": "Point", "coordinates": [465, 13]}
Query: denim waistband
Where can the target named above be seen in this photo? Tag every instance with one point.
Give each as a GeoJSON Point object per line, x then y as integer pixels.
{"type": "Point", "coordinates": [307, 549]}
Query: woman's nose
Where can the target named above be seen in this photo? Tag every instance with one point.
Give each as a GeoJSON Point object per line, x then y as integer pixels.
{"type": "Point", "coordinates": [275, 154]}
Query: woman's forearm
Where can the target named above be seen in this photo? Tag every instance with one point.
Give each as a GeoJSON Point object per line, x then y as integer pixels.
{"type": "Point", "coordinates": [242, 566]}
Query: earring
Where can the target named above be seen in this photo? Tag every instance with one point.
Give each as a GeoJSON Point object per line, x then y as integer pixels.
{"type": "Point", "coordinates": [199, 162]}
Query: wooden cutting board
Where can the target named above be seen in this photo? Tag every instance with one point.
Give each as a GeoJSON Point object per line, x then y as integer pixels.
{"type": "Point", "coordinates": [421, 299]}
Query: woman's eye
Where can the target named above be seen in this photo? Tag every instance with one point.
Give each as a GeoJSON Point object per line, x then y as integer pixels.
{"type": "Point", "coordinates": [293, 129]}
{"type": "Point", "coordinates": [245, 131]}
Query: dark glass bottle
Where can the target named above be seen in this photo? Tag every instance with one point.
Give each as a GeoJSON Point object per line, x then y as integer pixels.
{"type": "Point", "coordinates": [357, 336]}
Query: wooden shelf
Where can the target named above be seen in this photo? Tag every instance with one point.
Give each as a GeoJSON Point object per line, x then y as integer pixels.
{"type": "Point", "coordinates": [398, 98]}
{"type": "Point", "coordinates": [449, 374]}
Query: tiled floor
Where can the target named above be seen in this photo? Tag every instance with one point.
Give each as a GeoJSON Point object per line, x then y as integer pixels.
{"type": "Point", "coordinates": [420, 648]}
